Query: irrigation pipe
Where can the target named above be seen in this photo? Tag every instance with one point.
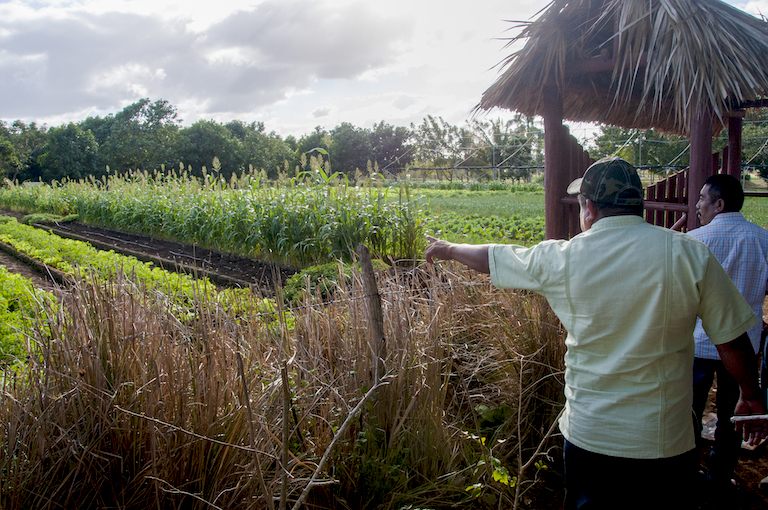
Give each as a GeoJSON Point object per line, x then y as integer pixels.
{"type": "Point", "coordinates": [342, 430]}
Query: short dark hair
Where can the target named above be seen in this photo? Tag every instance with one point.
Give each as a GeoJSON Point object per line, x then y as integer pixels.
{"type": "Point", "coordinates": [729, 189]}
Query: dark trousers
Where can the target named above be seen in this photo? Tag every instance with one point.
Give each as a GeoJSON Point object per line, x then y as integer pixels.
{"type": "Point", "coordinates": [601, 482]}
{"type": "Point", "coordinates": [725, 453]}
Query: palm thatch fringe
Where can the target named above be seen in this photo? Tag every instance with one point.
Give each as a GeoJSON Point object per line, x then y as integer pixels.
{"type": "Point", "coordinates": [637, 63]}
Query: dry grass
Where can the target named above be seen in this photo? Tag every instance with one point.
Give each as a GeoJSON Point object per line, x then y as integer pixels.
{"type": "Point", "coordinates": [133, 404]}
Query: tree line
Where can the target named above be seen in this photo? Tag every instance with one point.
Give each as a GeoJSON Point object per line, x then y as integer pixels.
{"type": "Point", "coordinates": [660, 152]}
{"type": "Point", "coordinates": [148, 135]}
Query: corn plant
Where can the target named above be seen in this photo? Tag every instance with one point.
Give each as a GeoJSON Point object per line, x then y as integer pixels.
{"type": "Point", "coordinates": [309, 222]}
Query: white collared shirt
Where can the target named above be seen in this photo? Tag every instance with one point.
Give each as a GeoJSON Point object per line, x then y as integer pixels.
{"type": "Point", "coordinates": [742, 249]}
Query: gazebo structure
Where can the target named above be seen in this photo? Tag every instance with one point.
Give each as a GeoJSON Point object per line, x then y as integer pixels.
{"type": "Point", "coordinates": [689, 67]}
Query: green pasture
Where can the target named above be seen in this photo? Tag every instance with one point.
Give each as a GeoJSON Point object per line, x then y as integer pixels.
{"type": "Point", "coordinates": [529, 204]}
{"type": "Point", "coordinates": [482, 216]}
{"type": "Point", "coordinates": [756, 210]}
{"type": "Point", "coordinates": [501, 203]}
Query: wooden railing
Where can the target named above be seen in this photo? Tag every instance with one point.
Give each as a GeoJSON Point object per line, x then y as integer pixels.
{"type": "Point", "coordinates": [666, 201]}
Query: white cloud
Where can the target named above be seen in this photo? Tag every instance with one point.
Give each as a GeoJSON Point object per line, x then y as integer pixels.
{"type": "Point", "coordinates": [757, 7]}
{"type": "Point", "coordinates": [292, 64]}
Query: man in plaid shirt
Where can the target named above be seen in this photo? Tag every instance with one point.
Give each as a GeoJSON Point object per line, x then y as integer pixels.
{"type": "Point", "coordinates": [742, 249]}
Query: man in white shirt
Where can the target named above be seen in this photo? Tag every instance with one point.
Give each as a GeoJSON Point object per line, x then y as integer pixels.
{"type": "Point", "coordinates": [628, 293]}
{"type": "Point", "coordinates": [742, 249]}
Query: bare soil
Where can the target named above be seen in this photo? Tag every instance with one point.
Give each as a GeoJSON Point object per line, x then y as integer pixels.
{"type": "Point", "coordinates": [229, 270]}
{"type": "Point", "coordinates": [223, 269]}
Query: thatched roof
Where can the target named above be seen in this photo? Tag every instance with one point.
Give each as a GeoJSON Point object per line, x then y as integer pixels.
{"type": "Point", "coordinates": [637, 63]}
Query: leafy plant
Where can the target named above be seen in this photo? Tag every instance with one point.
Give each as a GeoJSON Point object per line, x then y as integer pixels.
{"type": "Point", "coordinates": [321, 280]}
{"type": "Point", "coordinates": [79, 258]}
{"type": "Point", "coordinates": [22, 307]}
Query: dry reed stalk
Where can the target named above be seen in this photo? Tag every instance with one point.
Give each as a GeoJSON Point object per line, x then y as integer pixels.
{"type": "Point", "coordinates": [133, 402]}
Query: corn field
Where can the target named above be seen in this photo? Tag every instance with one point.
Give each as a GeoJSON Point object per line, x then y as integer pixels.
{"type": "Point", "coordinates": [308, 220]}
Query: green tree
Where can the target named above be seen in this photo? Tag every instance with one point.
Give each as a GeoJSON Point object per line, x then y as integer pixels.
{"type": "Point", "coordinates": [438, 144]}
{"type": "Point", "coordinates": [351, 148]}
{"type": "Point", "coordinates": [206, 139]}
{"type": "Point", "coordinates": [28, 142]}
{"type": "Point", "coordinates": [754, 142]}
{"type": "Point", "coordinates": [9, 162]}
{"type": "Point", "coordinates": [262, 150]}
{"type": "Point", "coordinates": [390, 147]}
{"type": "Point", "coordinates": [144, 135]}
{"type": "Point", "coordinates": [69, 152]}
{"type": "Point", "coordinates": [657, 151]}
{"type": "Point", "coordinates": [503, 144]}
{"type": "Point", "coordinates": [319, 138]}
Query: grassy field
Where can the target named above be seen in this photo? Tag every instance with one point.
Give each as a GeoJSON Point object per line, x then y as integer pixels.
{"type": "Point", "coordinates": [503, 204]}
{"type": "Point", "coordinates": [506, 204]}
{"type": "Point", "coordinates": [756, 210]}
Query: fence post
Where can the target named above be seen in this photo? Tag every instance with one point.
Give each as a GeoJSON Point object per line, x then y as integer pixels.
{"type": "Point", "coordinates": [375, 315]}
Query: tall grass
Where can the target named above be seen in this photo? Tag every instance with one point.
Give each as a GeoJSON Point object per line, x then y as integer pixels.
{"type": "Point", "coordinates": [126, 405]}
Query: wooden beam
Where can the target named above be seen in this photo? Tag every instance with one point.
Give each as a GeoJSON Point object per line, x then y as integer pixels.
{"type": "Point", "coordinates": [734, 146]}
{"type": "Point", "coordinates": [701, 160]}
{"type": "Point", "coordinates": [759, 103]}
{"type": "Point", "coordinates": [555, 164]}
{"type": "Point", "coordinates": [651, 206]}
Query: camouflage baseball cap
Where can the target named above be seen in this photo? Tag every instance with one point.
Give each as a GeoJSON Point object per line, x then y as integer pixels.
{"type": "Point", "coordinates": [610, 181]}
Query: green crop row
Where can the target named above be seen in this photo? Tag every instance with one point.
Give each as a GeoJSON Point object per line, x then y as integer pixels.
{"type": "Point", "coordinates": [21, 304]}
{"type": "Point", "coordinates": [493, 229]}
{"type": "Point", "coordinates": [76, 257]}
{"type": "Point", "coordinates": [299, 224]}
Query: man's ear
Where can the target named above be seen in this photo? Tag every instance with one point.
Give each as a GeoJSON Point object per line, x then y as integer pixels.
{"type": "Point", "coordinates": [719, 205]}
{"type": "Point", "coordinates": [593, 210]}
{"type": "Point", "coordinates": [588, 215]}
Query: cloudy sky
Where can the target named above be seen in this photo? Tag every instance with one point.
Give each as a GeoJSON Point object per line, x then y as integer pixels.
{"type": "Point", "coordinates": [292, 64]}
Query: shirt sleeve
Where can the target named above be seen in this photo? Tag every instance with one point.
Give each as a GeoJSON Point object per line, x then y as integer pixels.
{"type": "Point", "coordinates": [517, 267]}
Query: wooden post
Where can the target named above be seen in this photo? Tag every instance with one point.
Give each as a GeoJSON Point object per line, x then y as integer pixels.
{"type": "Point", "coordinates": [682, 184]}
{"type": "Point", "coordinates": [375, 315]}
{"type": "Point", "coordinates": [660, 217]}
{"type": "Point", "coordinates": [734, 145]}
{"type": "Point", "coordinates": [286, 436]}
{"type": "Point", "coordinates": [650, 196]}
{"type": "Point", "coordinates": [701, 161]}
{"type": "Point", "coordinates": [555, 164]}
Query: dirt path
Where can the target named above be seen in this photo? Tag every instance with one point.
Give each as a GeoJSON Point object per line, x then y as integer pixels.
{"type": "Point", "coordinates": [14, 265]}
